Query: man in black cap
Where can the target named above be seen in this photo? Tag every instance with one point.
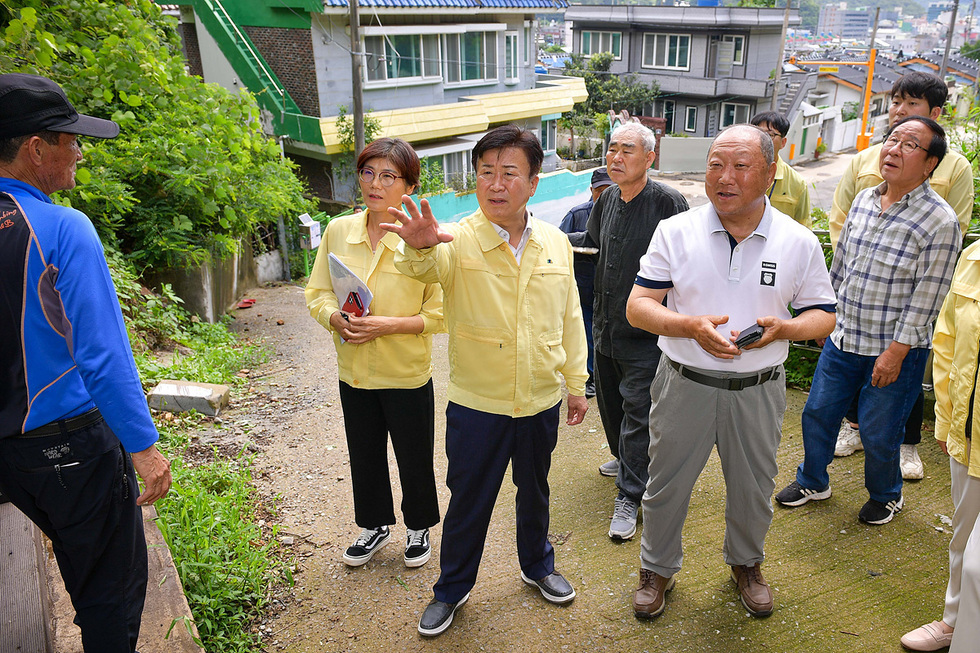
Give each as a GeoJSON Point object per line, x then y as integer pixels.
{"type": "Point", "coordinates": [74, 422]}
{"type": "Point", "coordinates": [575, 221]}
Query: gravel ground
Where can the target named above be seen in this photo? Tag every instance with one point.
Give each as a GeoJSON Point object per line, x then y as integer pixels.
{"type": "Point", "coordinates": [839, 585]}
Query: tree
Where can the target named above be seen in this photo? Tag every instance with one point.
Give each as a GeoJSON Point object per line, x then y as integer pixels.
{"type": "Point", "coordinates": [971, 50]}
{"type": "Point", "coordinates": [608, 90]}
{"type": "Point", "coordinates": [191, 172]}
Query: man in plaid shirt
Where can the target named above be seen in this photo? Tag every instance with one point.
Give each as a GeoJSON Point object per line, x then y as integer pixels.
{"type": "Point", "coordinates": [891, 271]}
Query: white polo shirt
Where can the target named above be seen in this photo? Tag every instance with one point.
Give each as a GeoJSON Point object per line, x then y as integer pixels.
{"type": "Point", "coordinates": [779, 265]}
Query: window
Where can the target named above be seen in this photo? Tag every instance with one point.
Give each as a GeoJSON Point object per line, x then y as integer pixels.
{"type": "Point", "coordinates": [528, 41]}
{"type": "Point", "coordinates": [739, 43]}
{"type": "Point", "coordinates": [549, 135]}
{"type": "Point", "coordinates": [401, 56]}
{"type": "Point", "coordinates": [596, 42]}
{"type": "Point", "coordinates": [471, 57]}
{"type": "Point", "coordinates": [691, 120]}
{"type": "Point", "coordinates": [510, 57]}
{"type": "Point", "coordinates": [671, 51]}
{"type": "Point", "coordinates": [734, 114]}
{"type": "Point", "coordinates": [457, 169]}
{"type": "Point", "coordinates": [665, 109]}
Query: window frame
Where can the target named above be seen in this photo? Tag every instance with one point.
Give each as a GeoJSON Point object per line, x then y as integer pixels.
{"type": "Point", "coordinates": [549, 135]}
{"type": "Point", "coordinates": [738, 57]}
{"type": "Point", "coordinates": [613, 37]}
{"type": "Point", "coordinates": [688, 126]}
{"type": "Point", "coordinates": [650, 44]}
{"type": "Point", "coordinates": [737, 105]}
{"type": "Point", "coordinates": [512, 51]}
{"type": "Point", "coordinates": [459, 66]}
{"type": "Point", "coordinates": [386, 61]}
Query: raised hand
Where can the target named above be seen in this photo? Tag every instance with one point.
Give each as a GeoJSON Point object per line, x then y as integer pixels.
{"type": "Point", "coordinates": [419, 229]}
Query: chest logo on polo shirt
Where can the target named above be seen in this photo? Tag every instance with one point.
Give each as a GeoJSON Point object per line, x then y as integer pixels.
{"type": "Point", "coordinates": [768, 274]}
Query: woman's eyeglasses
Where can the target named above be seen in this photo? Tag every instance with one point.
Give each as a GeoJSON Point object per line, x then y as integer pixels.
{"type": "Point", "coordinates": [367, 176]}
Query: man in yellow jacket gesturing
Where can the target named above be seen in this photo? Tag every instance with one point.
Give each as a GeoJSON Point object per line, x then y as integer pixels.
{"type": "Point", "coordinates": [515, 328]}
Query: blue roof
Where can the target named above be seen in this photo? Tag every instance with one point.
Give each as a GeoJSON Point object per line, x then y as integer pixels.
{"type": "Point", "coordinates": [475, 4]}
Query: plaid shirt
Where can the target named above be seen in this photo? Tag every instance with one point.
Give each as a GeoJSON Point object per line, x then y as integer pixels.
{"type": "Point", "coordinates": [892, 270]}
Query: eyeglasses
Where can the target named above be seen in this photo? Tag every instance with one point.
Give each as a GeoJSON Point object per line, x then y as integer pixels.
{"type": "Point", "coordinates": [774, 134]}
{"type": "Point", "coordinates": [367, 176]}
{"type": "Point", "coordinates": [907, 147]}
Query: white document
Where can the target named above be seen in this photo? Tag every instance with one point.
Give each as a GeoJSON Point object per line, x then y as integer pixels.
{"type": "Point", "coordinates": [352, 293]}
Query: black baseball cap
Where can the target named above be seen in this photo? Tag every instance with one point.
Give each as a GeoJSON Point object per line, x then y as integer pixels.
{"type": "Point", "coordinates": [31, 103]}
{"type": "Point", "coordinates": [601, 178]}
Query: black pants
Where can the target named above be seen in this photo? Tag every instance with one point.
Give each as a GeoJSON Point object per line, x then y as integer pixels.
{"type": "Point", "coordinates": [409, 416]}
{"type": "Point", "coordinates": [480, 446]}
{"type": "Point", "coordinates": [79, 487]}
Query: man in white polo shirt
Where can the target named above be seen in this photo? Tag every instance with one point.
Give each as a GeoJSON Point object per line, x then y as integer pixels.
{"type": "Point", "coordinates": [725, 268]}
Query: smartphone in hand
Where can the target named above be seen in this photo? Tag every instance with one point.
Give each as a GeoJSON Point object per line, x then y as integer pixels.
{"type": "Point", "coordinates": [747, 336]}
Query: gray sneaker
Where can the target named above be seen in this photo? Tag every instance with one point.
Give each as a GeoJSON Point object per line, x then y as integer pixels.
{"type": "Point", "coordinates": [623, 524]}
{"type": "Point", "coordinates": [610, 469]}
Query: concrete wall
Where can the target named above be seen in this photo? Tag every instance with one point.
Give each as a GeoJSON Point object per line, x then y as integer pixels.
{"type": "Point", "coordinates": [678, 154]}
{"type": "Point", "coordinates": [209, 290]}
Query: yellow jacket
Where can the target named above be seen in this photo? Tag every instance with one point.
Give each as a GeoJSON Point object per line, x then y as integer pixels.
{"type": "Point", "coordinates": [790, 195]}
{"type": "Point", "coordinates": [952, 180]}
{"type": "Point", "coordinates": [956, 346]}
{"type": "Point", "coordinates": [512, 328]}
{"type": "Point", "coordinates": [401, 360]}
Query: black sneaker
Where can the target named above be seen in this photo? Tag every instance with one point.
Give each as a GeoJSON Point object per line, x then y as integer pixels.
{"type": "Point", "coordinates": [795, 494]}
{"type": "Point", "coordinates": [417, 549]}
{"type": "Point", "coordinates": [877, 513]}
{"type": "Point", "coordinates": [366, 545]}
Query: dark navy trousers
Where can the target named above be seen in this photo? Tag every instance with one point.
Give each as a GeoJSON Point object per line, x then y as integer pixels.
{"type": "Point", "coordinates": [79, 488]}
{"type": "Point", "coordinates": [479, 447]}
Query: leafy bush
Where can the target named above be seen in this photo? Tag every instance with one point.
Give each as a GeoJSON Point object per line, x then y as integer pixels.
{"type": "Point", "coordinates": [224, 561]}
{"type": "Point", "coordinates": [191, 171]}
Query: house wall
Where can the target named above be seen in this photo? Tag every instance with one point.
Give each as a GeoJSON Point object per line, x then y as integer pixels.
{"type": "Point", "coordinates": [290, 54]}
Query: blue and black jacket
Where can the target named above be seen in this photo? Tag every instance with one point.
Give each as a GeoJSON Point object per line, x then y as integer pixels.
{"type": "Point", "coordinates": [63, 343]}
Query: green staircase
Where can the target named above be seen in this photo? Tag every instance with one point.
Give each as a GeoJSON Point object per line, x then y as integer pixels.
{"type": "Point", "coordinates": [256, 74]}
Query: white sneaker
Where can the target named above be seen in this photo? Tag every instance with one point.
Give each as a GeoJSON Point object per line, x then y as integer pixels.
{"type": "Point", "coordinates": [848, 440]}
{"type": "Point", "coordinates": [910, 463]}
{"type": "Point", "coordinates": [623, 523]}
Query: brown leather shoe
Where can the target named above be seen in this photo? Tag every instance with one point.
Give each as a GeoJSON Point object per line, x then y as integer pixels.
{"type": "Point", "coordinates": [648, 599]}
{"type": "Point", "coordinates": [753, 589]}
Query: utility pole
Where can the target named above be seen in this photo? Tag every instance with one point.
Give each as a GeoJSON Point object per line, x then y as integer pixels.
{"type": "Point", "coordinates": [779, 60]}
{"type": "Point", "coordinates": [874, 28]}
{"type": "Point", "coordinates": [949, 39]}
{"type": "Point", "coordinates": [357, 61]}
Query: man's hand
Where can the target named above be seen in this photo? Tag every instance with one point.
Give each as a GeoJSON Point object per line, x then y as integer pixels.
{"type": "Point", "coordinates": [888, 365]}
{"type": "Point", "coordinates": [577, 407]}
{"type": "Point", "coordinates": [419, 229]}
{"type": "Point", "coordinates": [154, 469]}
{"type": "Point", "coordinates": [703, 331]}
{"type": "Point", "coordinates": [942, 445]}
{"type": "Point", "coordinates": [773, 328]}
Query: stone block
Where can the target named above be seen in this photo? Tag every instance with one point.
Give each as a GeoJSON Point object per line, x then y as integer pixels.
{"type": "Point", "coordinates": [185, 396]}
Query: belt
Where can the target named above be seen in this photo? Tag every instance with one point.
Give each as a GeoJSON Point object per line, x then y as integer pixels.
{"type": "Point", "coordinates": [725, 384]}
{"type": "Point", "coordinates": [64, 425]}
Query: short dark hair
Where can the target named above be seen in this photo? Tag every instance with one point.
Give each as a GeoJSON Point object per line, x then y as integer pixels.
{"type": "Point", "coordinates": [926, 86]}
{"type": "Point", "coordinates": [511, 136]}
{"type": "Point", "coordinates": [398, 152]}
{"type": "Point", "coordinates": [9, 147]}
{"type": "Point", "coordinates": [776, 120]}
{"type": "Point", "coordinates": [937, 146]}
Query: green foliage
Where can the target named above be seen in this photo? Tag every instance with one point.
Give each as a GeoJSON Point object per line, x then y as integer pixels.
{"type": "Point", "coordinates": [209, 353]}
{"type": "Point", "coordinates": [800, 365]}
{"type": "Point", "coordinates": [431, 177]}
{"type": "Point", "coordinates": [191, 171]}
{"type": "Point", "coordinates": [971, 50]}
{"type": "Point", "coordinates": [345, 130]}
{"type": "Point", "coordinates": [850, 111]}
{"type": "Point", "coordinates": [608, 90]}
{"type": "Point", "coordinates": [225, 562]}
{"type": "Point", "coordinates": [964, 137]}
{"type": "Point", "coordinates": [554, 49]}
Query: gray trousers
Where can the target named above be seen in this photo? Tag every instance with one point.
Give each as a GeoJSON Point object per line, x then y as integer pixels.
{"type": "Point", "coordinates": [687, 420]}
